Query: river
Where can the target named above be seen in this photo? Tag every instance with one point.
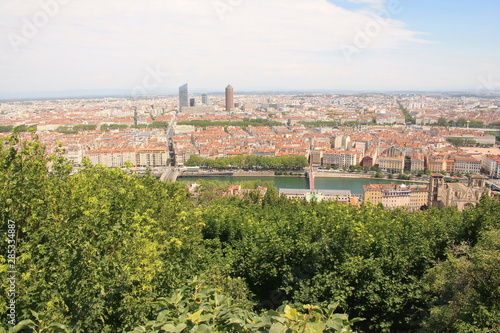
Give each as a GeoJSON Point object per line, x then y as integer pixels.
{"type": "Point", "coordinates": [355, 185]}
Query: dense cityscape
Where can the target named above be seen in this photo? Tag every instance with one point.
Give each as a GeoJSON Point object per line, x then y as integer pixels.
{"type": "Point", "coordinates": [395, 136]}
{"type": "Point", "coordinates": [433, 130]}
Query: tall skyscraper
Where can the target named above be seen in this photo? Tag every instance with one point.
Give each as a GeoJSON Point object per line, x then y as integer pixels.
{"type": "Point", "coordinates": [204, 99]}
{"type": "Point", "coordinates": [229, 98]}
{"type": "Point", "coordinates": [183, 96]}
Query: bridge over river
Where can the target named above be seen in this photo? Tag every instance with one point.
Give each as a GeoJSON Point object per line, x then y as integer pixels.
{"type": "Point", "coordinates": [170, 174]}
{"type": "Point", "coordinates": [494, 183]}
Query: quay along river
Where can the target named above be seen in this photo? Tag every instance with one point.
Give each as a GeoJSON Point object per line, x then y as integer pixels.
{"type": "Point", "coordinates": [355, 185]}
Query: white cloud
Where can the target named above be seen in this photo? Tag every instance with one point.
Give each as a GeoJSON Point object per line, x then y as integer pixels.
{"type": "Point", "coordinates": [376, 4]}
{"type": "Point", "coordinates": [107, 44]}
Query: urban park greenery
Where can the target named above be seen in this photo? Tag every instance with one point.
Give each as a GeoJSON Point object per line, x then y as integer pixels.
{"type": "Point", "coordinates": [104, 251]}
{"type": "Point", "coordinates": [250, 162]}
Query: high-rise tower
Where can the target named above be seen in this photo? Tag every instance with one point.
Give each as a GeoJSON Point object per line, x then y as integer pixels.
{"type": "Point", "coordinates": [183, 96]}
{"type": "Point", "coordinates": [229, 98]}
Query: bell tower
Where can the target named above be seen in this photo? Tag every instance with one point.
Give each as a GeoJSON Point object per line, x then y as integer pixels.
{"type": "Point", "coordinates": [477, 181]}
{"type": "Point", "coordinates": [436, 183]}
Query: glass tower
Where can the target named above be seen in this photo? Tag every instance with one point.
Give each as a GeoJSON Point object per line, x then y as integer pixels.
{"type": "Point", "coordinates": [183, 96]}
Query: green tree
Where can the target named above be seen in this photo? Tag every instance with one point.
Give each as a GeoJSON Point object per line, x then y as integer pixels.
{"type": "Point", "coordinates": [408, 117]}
{"type": "Point", "coordinates": [461, 122]}
{"type": "Point", "coordinates": [195, 160]}
{"type": "Point", "coordinates": [159, 124]}
{"type": "Point", "coordinates": [6, 128]}
{"type": "Point", "coordinates": [94, 248]}
{"type": "Point", "coordinates": [466, 288]}
{"type": "Point", "coordinates": [442, 122]}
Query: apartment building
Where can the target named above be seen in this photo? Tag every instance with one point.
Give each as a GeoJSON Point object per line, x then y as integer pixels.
{"type": "Point", "coordinates": [117, 158]}
{"type": "Point", "coordinates": [341, 142]}
{"type": "Point", "coordinates": [467, 164]}
{"type": "Point", "coordinates": [392, 159]}
{"type": "Point", "coordinates": [342, 159]}
{"type": "Point", "coordinates": [417, 162]}
{"type": "Point", "coordinates": [396, 195]}
{"type": "Point", "coordinates": [436, 163]}
{"type": "Point", "coordinates": [389, 195]}
{"type": "Point", "coordinates": [151, 157]}
{"type": "Point", "coordinates": [419, 196]}
{"type": "Point", "coordinates": [316, 157]}
{"type": "Point", "coordinates": [491, 165]}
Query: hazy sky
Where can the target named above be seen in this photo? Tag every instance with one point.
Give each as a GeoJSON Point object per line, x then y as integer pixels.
{"type": "Point", "coordinates": [55, 45]}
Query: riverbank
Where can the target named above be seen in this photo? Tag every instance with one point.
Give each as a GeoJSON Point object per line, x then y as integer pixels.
{"type": "Point", "coordinates": [342, 175]}
{"type": "Point", "coordinates": [227, 174]}
{"type": "Point", "coordinates": [317, 175]}
{"type": "Point", "coordinates": [356, 175]}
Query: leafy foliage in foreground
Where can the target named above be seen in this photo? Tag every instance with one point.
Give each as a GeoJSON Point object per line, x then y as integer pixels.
{"type": "Point", "coordinates": [466, 288]}
{"type": "Point", "coordinates": [95, 249]}
{"type": "Point", "coordinates": [197, 308]}
{"type": "Point", "coordinates": [100, 250]}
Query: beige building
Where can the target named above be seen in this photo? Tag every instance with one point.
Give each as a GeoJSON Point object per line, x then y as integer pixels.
{"type": "Point", "coordinates": [397, 195]}
{"type": "Point", "coordinates": [315, 158]}
{"type": "Point", "coordinates": [419, 196]}
{"type": "Point", "coordinates": [436, 163]}
{"type": "Point", "coordinates": [341, 142]}
{"type": "Point", "coordinates": [343, 159]}
{"type": "Point", "coordinates": [392, 159]}
{"type": "Point", "coordinates": [117, 158]}
{"type": "Point", "coordinates": [450, 165]}
{"type": "Point", "coordinates": [458, 195]}
{"type": "Point", "coordinates": [467, 164]}
{"type": "Point", "coordinates": [112, 158]}
{"type": "Point", "coordinates": [151, 157]}
{"type": "Point", "coordinates": [417, 162]}
{"type": "Point", "coordinates": [491, 165]}
{"type": "Point", "coordinates": [74, 154]}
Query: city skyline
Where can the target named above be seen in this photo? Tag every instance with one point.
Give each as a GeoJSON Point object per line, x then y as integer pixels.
{"type": "Point", "coordinates": [134, 49]}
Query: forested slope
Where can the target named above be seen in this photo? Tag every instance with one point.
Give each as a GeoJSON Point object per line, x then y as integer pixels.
{"type": "Point", "coordinates": [103, 251]}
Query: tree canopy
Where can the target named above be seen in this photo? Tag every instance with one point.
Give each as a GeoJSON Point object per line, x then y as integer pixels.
{"type": "Point", "coordinates": [250, 161]}
{"type": "Point", "coordinates": [104, 251]}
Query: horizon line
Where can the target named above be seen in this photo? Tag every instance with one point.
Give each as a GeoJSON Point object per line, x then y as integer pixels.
{"type": "Point", "coordinates": [121, 93]}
